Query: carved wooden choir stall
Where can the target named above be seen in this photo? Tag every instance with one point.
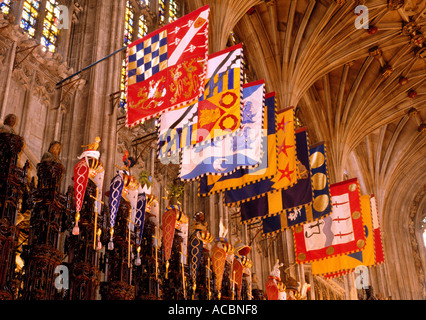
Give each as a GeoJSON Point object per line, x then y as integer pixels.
{"type": "Point", "coordinates": [80, 248]}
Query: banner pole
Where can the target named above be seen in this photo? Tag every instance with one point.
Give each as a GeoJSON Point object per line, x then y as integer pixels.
{"type": "Point", "coordinates": [90, 66]}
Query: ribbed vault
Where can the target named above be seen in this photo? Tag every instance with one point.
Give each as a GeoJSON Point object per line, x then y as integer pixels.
{"type": "Point", "coordinates": [361, 91]}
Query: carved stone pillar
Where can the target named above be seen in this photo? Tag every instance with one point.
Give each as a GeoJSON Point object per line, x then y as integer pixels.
{"type": "Point", "coordinates": [42, 254]}
{"type": "Point", "coordinates": [99, 22]}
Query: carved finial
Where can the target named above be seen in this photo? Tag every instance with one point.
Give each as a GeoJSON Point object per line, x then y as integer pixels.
{"type": "Point", "coordinates": [8, 124]}
{"type": "Point", "coordinates": [93, 146]}
{"type": "Point", "coordinates": [53, 152]}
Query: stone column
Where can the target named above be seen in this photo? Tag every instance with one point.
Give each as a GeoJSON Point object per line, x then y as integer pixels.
{"type": "Point", "coordinates": [8, 79]}
{"type": "Point", "coordinates": [97, 33]}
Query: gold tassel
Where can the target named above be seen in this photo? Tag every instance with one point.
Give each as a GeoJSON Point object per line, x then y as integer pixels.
{"type": "Point", "coordinates": [76, 229]}
{"type": "Point", "coordinates": [96, 219]}
{"type": "Point", "coordinates": [129, 247]}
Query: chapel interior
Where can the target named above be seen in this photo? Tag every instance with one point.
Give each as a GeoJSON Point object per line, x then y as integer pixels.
{"type": "Point", "coordinates": [361, 90]}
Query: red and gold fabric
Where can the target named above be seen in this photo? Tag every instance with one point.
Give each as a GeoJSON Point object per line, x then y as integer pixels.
{"type": "Point", "coordinates": [81, 177]}
{"type": "Point", "coordinates": [237, 271]}
{"type": "Point", "coordinates": [169, 223]}
{"type": "Point", "coordinates": [339, 265]}
{"type": "Point", "coordinates": [342, 232]}
{"type": "Point", "coordinates": [167, 68]}
{"type": "Point", "coordinates": [216, 114]}
{"type": "Point", "coordinates": [378, 244]}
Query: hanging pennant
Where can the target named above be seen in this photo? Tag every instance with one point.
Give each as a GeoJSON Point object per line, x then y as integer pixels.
{"type": "Point", "coordinates": [81, 177]}
{"type": "Point", "coordinates": [88, 167]}
{"type": "Point", "coordinates": [287, 173]}
{"type": "Point", "coordinates": [220, 252]}
{"type": "Point", "coordinates": [115, 192]}
{"type": "Point", "coordinates": [169, 224]}
{"type": "Point", "coordinates": [139, 223]}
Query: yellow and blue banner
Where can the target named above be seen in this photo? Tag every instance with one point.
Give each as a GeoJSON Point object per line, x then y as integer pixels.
{"type": "Point", "coordinates": [267, 168]}
{"type": "Point", "coordinates": [306, 201]}
{"type": "Point", "coordinates": [287, 173]}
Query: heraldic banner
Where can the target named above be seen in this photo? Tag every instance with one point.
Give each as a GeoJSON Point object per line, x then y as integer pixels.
{"type": "Point", "coordinates": [240, 150]}
{"type": "Point", "coordinates": [292, 209]}
{"type": "Point", "coordinates": [339, 265]}
{"type": "Point", "coordinates": [167, 68]}
{"type": "Point", "coordinates": [265, 170]}
{"type": "Point", "coordinates": [341, 232]}
{"type": "Point", "coordinates": [216, 114]}
{"type": "Point", "coordinates": [275, 203]}
{"type": "Point", "coordinates": [287, 169]}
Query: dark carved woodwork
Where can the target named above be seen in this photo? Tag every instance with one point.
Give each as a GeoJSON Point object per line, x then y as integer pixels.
{"type": "Point", "coordinates": [51, 217]}
{"type": "Point", "coordinates": [172, 286]}
{"type": "Point", "coordinates": [82, 256]}
{"type": "Point", "coordinates": [226, 282]}
{"type": "Point", "coordinates": [205, 279]}
{"type": "Point", "coordinates": [146, 280]}
{"type": "Point", "coordinates": [42, 254]}
{"type": "Point", "coordinates": [258, 294]}
{"type": "Point", "coordinates": [118, 285]}
{"type": "Point", "coordinates": [13, 181]}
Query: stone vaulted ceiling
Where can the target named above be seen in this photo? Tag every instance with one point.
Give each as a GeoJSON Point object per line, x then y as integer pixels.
{"type": "Point", "coordinates": [362, 91]}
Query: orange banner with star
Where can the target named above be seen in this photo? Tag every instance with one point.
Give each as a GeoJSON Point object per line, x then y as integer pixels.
{"type": "Point", "coordinates": [287, 173]}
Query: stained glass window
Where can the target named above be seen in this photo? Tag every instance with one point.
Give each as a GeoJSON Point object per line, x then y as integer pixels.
{"type": "Point", "coordinates": [128, 38]}
{"type": "Point", "coordinates": [50, 26]}
{"type": "Point", "coordinates": [162, 10]}
{"type": "Point", "coordinates": [128, 24]}
{"type": "Point", "coordinates": [5, 6]}
{"type": "Point", "coordinates": [173, 8]}
{"type": "Point", "coordinates": [123, 101]}
{"type": "Point", "coordinates": [30, 13]}
{"type": "Point", "coordinates": [143, 27]}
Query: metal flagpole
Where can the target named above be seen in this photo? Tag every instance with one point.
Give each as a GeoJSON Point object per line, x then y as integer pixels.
{"type": "Point", "coordinates": [89, 66]}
